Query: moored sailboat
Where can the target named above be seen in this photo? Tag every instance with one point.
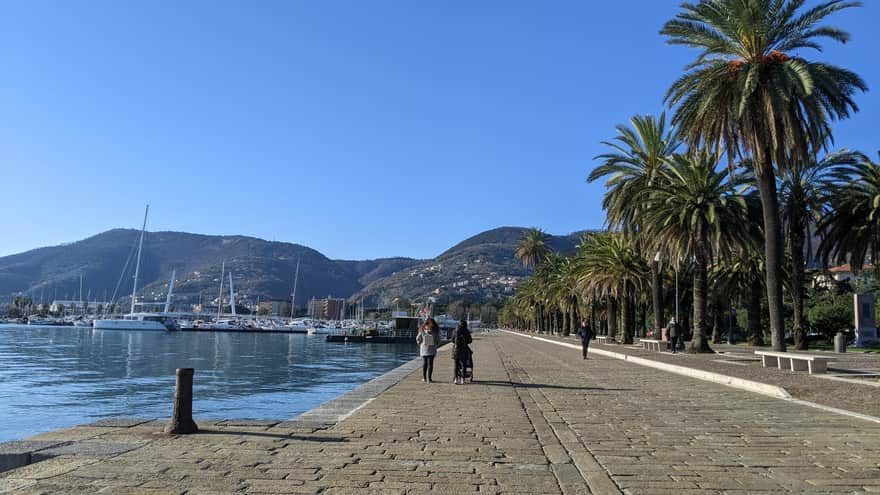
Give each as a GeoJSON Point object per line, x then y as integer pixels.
{"type": "Point", "coordinates": [140, 321]}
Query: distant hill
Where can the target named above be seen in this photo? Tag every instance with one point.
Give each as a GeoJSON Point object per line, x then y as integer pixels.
{"type": "Point", "coordinates": [260, 268]}
{"type": "Point", "coordinates": [482, 266]}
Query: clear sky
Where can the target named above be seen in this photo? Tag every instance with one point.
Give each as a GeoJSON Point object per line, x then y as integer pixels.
{"type": "Point", "coordinates": [360, 128]}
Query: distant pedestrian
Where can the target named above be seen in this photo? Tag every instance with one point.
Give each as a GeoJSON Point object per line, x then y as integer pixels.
{"type": "Point", "coordinates": [428, 338]}
{"type": "Point", "coordinates": [585, 333]}
{"type": "Point", "coordinates": [674, 334]}
{"type": "Point", "coordinates": [461, 351]}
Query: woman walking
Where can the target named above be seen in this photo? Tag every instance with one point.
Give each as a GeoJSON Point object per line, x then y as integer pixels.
{"type": "Point", "coordinates": [428, 338]}
{"type": "Point", "coordinates": [461, 353]}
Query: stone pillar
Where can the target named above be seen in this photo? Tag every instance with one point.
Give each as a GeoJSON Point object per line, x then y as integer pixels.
{"type": "Point", "coordinates": [181, 421]}
{"type": "Point", "coordinates": [866, 319]}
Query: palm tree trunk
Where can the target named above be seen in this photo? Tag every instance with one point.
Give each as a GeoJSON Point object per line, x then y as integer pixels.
{"type": "Point", "coordinates": [773, 252]}
{"type": "Point", "coordinates": [565, 323]}
{"type": "Point", "coordinates": [612, 318]}
{"type": "Point", "coordinates": [700, 290]}
{"type": "Point", "coordinates": [753, 309]}
{"type": "Point", "coordinates": [626, 320]}
{"type": "Point", "coordinates": [657, 297]}
{"type": "Point", "coordinates": [796, 243]}
{"type": "Point", "coordinates": [716, 321]}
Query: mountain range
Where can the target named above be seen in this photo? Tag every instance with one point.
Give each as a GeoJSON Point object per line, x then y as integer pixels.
{"type": "Point", "coordinates": [478, 268]}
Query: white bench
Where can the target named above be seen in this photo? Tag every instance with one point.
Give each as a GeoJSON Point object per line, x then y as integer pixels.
{"type": "Point", "coordinates": [604, 339]}
{"type": "Point", "coordinates": [651, 344]}
{"type": "Point", "coordinates": [794, 362]}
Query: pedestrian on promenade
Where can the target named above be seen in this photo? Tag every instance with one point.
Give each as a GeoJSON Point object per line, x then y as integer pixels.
{"type": "Point", "coordinates": [428, 338]}
{"type": "Point", "coordinates": [674, 334]}
{"type": "Point", "coordinates": [461, 351]}
{"type": "Point", "coordinates": [585, 333]}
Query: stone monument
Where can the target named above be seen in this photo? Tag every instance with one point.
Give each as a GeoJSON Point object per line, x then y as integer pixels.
{"type": "Point", "coordinates": [866, 319]}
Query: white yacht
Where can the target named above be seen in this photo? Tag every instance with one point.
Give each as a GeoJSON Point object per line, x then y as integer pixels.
{"type": "Point", "coordinates": [138, 321]}
{"type": "Point", "coordinates": [141, 321]}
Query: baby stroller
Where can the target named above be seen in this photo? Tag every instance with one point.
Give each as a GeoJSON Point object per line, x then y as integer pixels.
{"type": "Point", "coordinates": [468, 370]}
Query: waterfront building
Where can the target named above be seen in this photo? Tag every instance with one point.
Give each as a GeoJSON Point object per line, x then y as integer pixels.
{"type": "Point", "coordinates": [327, 309]}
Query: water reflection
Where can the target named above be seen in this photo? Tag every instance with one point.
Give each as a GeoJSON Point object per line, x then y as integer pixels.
{"type": "Point", "coordinates": [56, 377]}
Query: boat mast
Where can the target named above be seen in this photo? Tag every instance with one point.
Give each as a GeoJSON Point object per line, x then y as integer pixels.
{"type": "Point", "coordinates": [220, 298]}
{"type": "Point", "coordinates": [170, 291]}
{"type": "Point", "coordinates": [137, 266]}
{"type": "Point", "coordinates": [231, 294]}
{"type": "Point", "coordinates": [293, 297]}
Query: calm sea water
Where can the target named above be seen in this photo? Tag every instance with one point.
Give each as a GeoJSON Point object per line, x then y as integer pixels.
{"type": "Point", "coordinates": [52, 378]}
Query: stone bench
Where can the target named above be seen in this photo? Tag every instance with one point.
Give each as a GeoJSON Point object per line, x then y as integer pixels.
{"type": "Point", "coordinates": [794, 362]}
{"type": "Point", "coordinates": [651, 344]}
{"type": "Point", "coordinates": [604, 339]}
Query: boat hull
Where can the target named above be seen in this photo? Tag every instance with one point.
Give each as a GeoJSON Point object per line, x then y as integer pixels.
{"type": "Point", "coordinates": [129, 325]}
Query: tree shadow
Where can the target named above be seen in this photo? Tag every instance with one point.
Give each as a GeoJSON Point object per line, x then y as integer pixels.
{"type": "Point", "coordinates": [496, 383]}
{"type": "Point", "coordinates": [280, 436]}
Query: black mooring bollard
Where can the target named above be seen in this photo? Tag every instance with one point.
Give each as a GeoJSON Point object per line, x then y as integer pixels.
{"type": "Point", "coordinates": [181, 421]}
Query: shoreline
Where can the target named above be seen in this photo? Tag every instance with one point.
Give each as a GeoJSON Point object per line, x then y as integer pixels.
{"type": "Point", "coordinates": [32, 449]}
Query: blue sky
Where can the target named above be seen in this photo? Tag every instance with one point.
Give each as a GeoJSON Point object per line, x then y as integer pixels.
{"type": "Point", "coordinates": [360, 128]}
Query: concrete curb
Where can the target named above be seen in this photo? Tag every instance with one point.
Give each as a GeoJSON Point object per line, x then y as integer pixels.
{"type": "Point", "coordinates": [335, 410]}
{"type": "Point", "coordinates": [747, 385]}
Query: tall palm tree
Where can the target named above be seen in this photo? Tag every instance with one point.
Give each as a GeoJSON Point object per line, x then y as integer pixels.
{"type": "Point", "coordinates": [611, 268]}
{"type": "Point", "coordinates": [746, 94]}
{"type": "Point", "coordinates": [696, 212]}
{"type": "Point", "coordinates": [802, 197]}
{"type": "Point", "coordinates": [851, 227]}
{"type": "Point", "coordinates": [532, 247]}
{"type": "Point", "coordinates": [637, 154]}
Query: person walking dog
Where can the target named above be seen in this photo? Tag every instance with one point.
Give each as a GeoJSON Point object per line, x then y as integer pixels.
{"type": "Point", "coordinates": [585, 333]}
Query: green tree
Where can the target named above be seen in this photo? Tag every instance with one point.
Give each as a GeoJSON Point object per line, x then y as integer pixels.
{"type": "Point", "coordinates": [851, 227]}
{"type": "Point", "coordinates": [532, 247]}
{"type": "Point", "coordinates": [746, 95]}
{"type": "Point", "coordinates": [637, 154]}
{"type": "Point", "coordinates": [696, 212]}
{"type": "Point", "coordinates": [610, 268]}
{"type": "Point", "coordinates": [802, 198]}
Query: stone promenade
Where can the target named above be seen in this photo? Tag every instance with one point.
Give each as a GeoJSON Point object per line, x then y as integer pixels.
{"type": "Point", "coordinates": [538, 419]}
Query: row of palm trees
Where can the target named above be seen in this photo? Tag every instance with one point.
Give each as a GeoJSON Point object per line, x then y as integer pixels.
{"type": "Point", "coordinates": [733, 187]}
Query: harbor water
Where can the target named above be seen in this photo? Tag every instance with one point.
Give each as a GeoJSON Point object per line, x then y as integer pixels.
{"type": "Point", "coordinates": [55, 377]}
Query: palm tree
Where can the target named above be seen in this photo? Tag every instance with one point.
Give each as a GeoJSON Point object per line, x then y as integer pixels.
{"type": "Point", "coordinates": [851, 228]}
{"type": "Point", "coordinates": [802, 199]}
{"type": "Point", "coordinates": [533, 247]}
{"type": "Point", "coordinates": [637, 154]}
{"type": "Point", "coordinates": [610, 268]}
{"type": "Point", "coordinates": [696, 212]}
{"type": "Point", "coordinates": [747, 96]}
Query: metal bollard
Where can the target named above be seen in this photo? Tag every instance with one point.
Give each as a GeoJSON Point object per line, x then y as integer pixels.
{"type": "Point", "coordinates": [181, 421]}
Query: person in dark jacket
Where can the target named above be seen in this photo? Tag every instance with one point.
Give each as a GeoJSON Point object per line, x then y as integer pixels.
{"type": "Point", "coordinates": [461, 351]}
{"type": "Point", "coordinates": [674, 334]}
{"type": "Point", "coordinates": [428, 339]}
{"type": "Point", "coordinates": [585, 333]}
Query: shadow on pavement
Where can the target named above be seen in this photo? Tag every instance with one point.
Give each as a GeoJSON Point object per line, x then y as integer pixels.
{"type": "Point", "coordinates": [542, 385]}
{"type": "Point", "coordinates": [280, 436]}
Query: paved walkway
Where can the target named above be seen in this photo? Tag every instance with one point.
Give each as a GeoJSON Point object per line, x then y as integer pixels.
{"type": "Point", "coordinates": [852, 381]}
{"type": "Point", "coordinates": [539, 420]}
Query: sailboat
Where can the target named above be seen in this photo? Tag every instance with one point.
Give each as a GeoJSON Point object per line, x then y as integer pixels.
{"type": "Point", "coordinates": [141, 321]}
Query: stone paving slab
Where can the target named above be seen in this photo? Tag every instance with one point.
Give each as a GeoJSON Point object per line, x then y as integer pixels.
{"type": "Point", "coordinates": [539, 420]}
